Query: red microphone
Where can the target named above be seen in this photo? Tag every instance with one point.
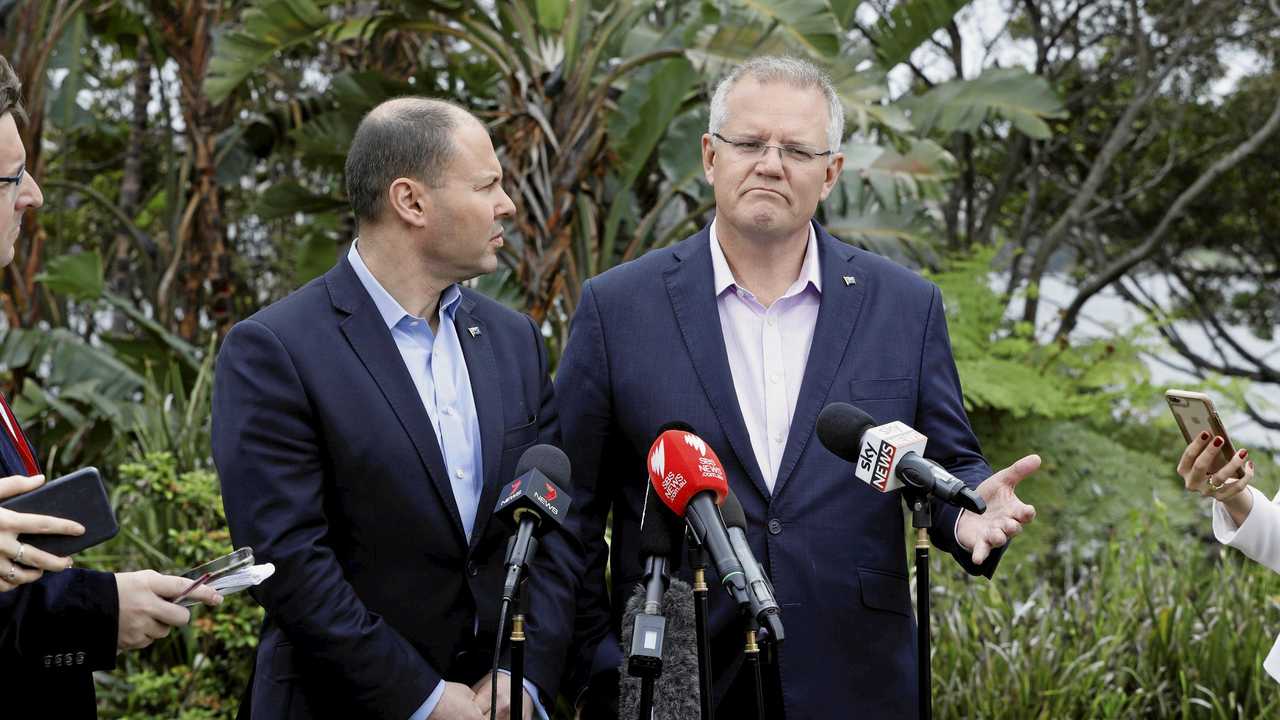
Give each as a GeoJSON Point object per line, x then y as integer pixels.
{"type": "Point", "coordinates": [688, 478]}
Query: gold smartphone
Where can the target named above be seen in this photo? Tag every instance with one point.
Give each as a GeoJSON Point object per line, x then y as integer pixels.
{"type": "Point", "coordinates": [1195, 414]}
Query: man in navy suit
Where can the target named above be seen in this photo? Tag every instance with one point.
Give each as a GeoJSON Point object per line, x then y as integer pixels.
{"type": "Point", "coordinates": [362, 429]}
{"type": "Point", "coordinates": [746, 331]}
{"type": "Point", "coordinates": [57, 628]}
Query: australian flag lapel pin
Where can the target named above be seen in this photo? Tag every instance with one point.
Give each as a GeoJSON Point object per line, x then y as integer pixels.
{"type": "Point", "coordinates": [474, 330]}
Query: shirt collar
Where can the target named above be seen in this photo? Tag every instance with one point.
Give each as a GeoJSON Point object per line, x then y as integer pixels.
{"type": "Point", "coordinates": [389, 308]}
{"type": "Point", "coordinates": [810, 273]}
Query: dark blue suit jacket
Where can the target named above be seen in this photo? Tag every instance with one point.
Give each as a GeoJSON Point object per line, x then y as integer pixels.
{"type": "Point", "coordinates": [646, 348]}
{"type": "Point", "coordinates": [331, 470]}
{"type": "Point", "coordinates": [56, 631]}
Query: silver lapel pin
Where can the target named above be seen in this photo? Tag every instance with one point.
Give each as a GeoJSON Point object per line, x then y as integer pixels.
{"type": "Point", "coordinates": [475, 331]}
{"type": "Point", "coordinates": [850, 280]}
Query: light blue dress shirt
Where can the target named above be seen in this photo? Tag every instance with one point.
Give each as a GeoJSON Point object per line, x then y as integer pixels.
{"type": "Point", "coordinates": [439, 371]}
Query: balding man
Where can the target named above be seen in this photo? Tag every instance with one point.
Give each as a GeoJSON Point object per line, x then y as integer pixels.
{"type": "Point", "coordinates": [362, 429]}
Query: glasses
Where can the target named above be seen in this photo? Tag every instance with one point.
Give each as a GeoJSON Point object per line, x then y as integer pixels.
{"type": "Point", "coordinates": [754, 149]}
{"type": "Point", "coordinates": [14, 180]}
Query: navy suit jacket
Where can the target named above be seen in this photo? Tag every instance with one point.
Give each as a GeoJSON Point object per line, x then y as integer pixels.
{"type": "Point", "coordinates": [331, 470]}
{"type": "Point", "coordinates": [56, 631]}
{"type": "Point", "coordinates": [646, 348]}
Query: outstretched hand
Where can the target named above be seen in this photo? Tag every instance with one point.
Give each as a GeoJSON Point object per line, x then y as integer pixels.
{"type": "Point", "coordinates": [1005, 514]}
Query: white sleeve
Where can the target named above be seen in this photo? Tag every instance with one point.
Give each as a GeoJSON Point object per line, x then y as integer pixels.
{"type": "Point", "coordinates": [1258, 537]}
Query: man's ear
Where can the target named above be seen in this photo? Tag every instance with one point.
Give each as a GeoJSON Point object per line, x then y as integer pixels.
{"type": "Point", "coordinates": [708, 159]}
{"type": "Point", "coordinates": [834, 168]}
{"type": "Point", "coordinates": [409, 201]}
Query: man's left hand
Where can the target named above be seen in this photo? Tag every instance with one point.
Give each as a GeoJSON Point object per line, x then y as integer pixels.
{"type": "Point", "coordinates": [482, 691]}
{"type": "Point", "coordinates": [1005, 514]}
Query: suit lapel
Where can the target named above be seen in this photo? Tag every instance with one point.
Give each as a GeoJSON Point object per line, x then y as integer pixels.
{"type": "Point", "coordinates": [486, 390]}
{"type": "Point", "coordinates": [689, 285]}
{"type": "Point", "coordinates": [365, 329]}
{"type": "Point", "coordinates": [837, 314]}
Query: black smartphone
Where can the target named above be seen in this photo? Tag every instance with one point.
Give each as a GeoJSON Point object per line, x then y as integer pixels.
{"type": "Point", "coordinates": [78, 496]}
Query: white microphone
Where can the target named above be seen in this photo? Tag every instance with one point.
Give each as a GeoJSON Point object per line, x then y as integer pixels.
{"type": "Point", "coordinates": [890, 456]}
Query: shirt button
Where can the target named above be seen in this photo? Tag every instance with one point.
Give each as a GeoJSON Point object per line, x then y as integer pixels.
{"type": "Point", "coordinates": [448, 411]}
{"type": "Point", "coordinates": [774, 378]}
{"type": "Point", "coordinates": [459, 473]}
{"type": "Point", "coordinates": [771, 322]}
{"type": "Point", "coordinates": [777, 438]}
{"type": "Point", "coordinates": [775, 527]}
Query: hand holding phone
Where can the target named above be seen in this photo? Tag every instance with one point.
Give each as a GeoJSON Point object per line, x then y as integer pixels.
{"type": "Point", "coordinates": [21, 563]}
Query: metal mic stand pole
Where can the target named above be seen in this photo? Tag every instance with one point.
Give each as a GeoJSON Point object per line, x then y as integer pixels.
{"type": "Point", "coordinates": [517, 654]}
{"type": "Point", "coordinates": [753, 662]}
{"type": "Point", "coordinates": [922, 520]}
{"type": "Point", "coordinates": [698, 559]}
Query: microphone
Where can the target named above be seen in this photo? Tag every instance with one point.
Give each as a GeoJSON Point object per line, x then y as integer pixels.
{"type": "Point", "coordinates": [661, 537]}
{"type": "Point", "coordinates": [536, 502]}
{"type": "Point", "coordinates": [675, 692]}
{"type": "Point", "coordinates": [688, 478]}
{"type": "Point", "coordinates": [889, 456]}
{"type": "Point", "coordinates": [759, 590]}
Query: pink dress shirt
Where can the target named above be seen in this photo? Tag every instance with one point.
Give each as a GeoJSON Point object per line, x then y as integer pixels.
{"type": "Point", "coordinates": [768, 349]}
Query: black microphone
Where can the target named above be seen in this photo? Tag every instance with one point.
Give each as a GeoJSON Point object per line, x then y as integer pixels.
{"type": "Point", "coordinates": [661, 537]}
{"type": "Point", "coordinates": [764, 606]}
{"type": "Point", "coordinates": [536, 501]}
{"type": "Point", "coordinates": [886, 457]}
{"type": "Point", "coordinates": [675, 692]}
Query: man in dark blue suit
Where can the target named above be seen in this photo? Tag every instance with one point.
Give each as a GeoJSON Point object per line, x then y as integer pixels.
{"type": "Point", "coordinates": [58, 625]}
{"type": "Point", "coordinates": [746, 331]}
{"type": "Point", "coordinates": [363, 427]}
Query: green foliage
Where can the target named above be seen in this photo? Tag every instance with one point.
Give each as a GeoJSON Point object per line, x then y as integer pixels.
{"type": "Point", "coordinates": [908, 25]}
{"type": "Point", "coordinates": [172, 519]}
{"type": "Point", "coordinates": [1013, 94]}
{"type": "Point", "coordinates": [1006, 372]}
{"type": "Point", "coordinates": [1158, 623]}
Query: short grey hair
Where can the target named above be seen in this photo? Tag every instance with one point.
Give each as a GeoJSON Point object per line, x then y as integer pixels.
{"type": "Point", "coordinates": [790, 70]}
{"type": "Point", "coordinates": [10, 92]}
{"type": "Point", "coordinates": [403, 137]}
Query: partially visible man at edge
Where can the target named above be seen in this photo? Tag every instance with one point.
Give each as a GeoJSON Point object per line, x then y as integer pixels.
{"type": "Point", "coordinates": [363, 428]}
{"type": "Point", "coordinates": [746, 330]}
{"type": "Point", "coordinates": [56, 629]}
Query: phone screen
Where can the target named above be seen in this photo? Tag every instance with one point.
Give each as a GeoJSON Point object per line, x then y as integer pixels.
{"type": "Point", "coordinates": [242, 557]}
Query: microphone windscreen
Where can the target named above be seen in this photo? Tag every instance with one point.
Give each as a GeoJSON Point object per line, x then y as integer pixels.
{"type": "Point", "coordinates": [661, 531]}
{"type": "Point", "coordinates": [548, 459]}
{"type": "Point", "coordinates": [682, 465]}
{"type": "Point", "coordinates": [841, 427]}
{"type": "Point", "coordinates": [731, 511]}
{"type": "Point", "coordinates": [676, 691]}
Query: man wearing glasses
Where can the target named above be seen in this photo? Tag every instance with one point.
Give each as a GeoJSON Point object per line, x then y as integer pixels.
{"type": "Point", "coordinates": [746, 331]}
{"type": "Point", "coordinates": [59, 625]}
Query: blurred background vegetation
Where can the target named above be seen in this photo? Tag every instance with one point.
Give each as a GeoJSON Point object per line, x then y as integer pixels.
{"type": "Point", "coordinates": [1092, 183]}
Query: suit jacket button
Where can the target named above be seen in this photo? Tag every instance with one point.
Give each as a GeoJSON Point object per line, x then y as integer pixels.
{"type": "Point", "coordinates": [472, 570]}
{"type": "Point", "coordinates": [80, 658]}
{"type": "Point", "coordinates": [48, 661]}
{"type": "Point", "coordinates": [775, 527]}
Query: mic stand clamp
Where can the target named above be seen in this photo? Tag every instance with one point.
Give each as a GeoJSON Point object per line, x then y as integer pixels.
{"type": "Point", "coordinates": [698, 560]}
{"type": "Point", "coordinates": [922, 519]}
{"type": "Point", "coordinates": [752, 651]}
{"type": "Point", "coordinates": [517, 653]}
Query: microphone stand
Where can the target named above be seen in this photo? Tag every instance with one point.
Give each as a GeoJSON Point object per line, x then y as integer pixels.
{"type": "Point", "coordinates": [922, 520]}
{"type": "Point", "coordinates": [517, 655]}
{"type": "Point", "coordinates": [753, 662]}
{"type": "Point", "coordinates": [698, 560]}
